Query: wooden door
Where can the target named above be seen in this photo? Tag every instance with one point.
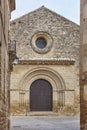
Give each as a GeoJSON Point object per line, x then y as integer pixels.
{"type": "Point", "coordinates": [41, 96]}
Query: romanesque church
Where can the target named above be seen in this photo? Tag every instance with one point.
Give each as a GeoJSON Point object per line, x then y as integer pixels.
{"type": "Point", "coordinates": [46, 78]}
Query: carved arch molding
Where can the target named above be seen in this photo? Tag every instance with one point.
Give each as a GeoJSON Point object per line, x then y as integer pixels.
{"type": "Point", "coordinates": [57, 82]}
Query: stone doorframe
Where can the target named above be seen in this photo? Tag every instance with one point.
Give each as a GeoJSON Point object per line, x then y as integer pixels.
{"type": "Point", "coordinates": [57, 82]}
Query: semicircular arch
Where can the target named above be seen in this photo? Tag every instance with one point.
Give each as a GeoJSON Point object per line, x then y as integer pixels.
{"type": "Point", "coordinates": [45, 73]}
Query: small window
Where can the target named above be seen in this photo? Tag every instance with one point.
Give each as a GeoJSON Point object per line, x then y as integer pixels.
{"type": "Point", "coordinates": [41, 43]}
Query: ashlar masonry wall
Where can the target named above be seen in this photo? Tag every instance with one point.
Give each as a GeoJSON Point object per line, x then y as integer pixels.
{"type": "Point", "coordinates": [6, 6]}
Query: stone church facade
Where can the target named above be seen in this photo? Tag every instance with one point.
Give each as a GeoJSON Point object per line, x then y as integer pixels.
{"type": "Point", "coordinates": [46, 77]}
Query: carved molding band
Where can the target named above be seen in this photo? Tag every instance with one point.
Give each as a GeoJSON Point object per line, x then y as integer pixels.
{"type": "Point", "coordinates": [48, 62]}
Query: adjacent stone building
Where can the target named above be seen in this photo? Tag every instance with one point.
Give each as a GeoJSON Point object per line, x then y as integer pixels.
{"type": "Point", "coordinates": [47, 75]}
{"type": "Point", "coordinates": [83, 67]}
{"type": "Point", "coordinates": [6, 6]}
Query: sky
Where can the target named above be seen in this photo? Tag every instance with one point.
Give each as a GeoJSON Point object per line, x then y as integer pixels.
{"type": "Point", "coordinates": [67, 8]}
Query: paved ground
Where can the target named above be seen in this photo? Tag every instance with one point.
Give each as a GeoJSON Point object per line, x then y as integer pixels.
{"type": "Point", "coordinates": [44, 123]}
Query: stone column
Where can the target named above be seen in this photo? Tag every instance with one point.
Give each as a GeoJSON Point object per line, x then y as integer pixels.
{"type": "Point", "coordinates": [83, 63]}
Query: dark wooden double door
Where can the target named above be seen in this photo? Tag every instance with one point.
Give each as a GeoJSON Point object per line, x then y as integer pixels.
{"type": "Point", "coordinates": [41, 96]}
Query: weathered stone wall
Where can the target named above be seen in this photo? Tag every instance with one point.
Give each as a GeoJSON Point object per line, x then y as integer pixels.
{"type": "Point", "coordinates": [23, 75]}
{"type": "Point", "coordinates": [5, 9]}
{"type": "Point", "coordinates": [64, 34]}
{"type": "Point", "coordinates": [83, 67]}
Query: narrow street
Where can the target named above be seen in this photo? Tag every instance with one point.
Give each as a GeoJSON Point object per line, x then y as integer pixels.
{"type": "Point", "coordinates": [45, 123]}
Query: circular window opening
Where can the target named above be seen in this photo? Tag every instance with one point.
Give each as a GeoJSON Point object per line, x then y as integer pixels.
{"type": "Point", "coordinates": [41, 43]}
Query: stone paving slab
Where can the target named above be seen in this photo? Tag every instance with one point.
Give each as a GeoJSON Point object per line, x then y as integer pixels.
{"type": "Point", "coordinates": [45, 123]}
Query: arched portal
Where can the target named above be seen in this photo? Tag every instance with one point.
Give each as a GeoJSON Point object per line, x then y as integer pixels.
{"type": "Point", "coordinates": [39, 75]}
{"type": "Point", "coordinates": [41, 95]}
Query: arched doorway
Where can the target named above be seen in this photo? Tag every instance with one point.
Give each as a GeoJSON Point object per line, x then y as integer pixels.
{"type": "Point", "coordinates": [53, 78]}
{"type": "Point", "coordinates": [41, 95]}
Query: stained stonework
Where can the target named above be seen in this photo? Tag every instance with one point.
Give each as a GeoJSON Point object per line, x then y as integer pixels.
{"type": "Point", "coordinates": [83, 68]}
{"type": "Point", "coordinates": [57, 62]}
{"type": "Point", "coordinates": [6, 7]}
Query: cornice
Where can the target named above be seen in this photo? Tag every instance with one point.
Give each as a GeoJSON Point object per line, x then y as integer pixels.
{"type": "Point", "coordinates": [64, 61]}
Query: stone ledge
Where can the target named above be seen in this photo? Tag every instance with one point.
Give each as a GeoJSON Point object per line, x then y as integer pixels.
{"type": "Point", "coordinates": [60, 61]}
